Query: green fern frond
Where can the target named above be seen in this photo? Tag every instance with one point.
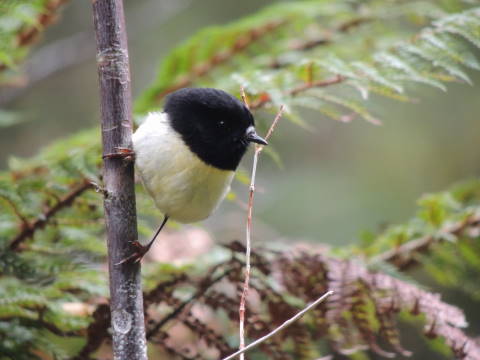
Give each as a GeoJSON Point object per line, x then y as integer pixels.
{"type": "Point", "coordinates": [446, 223]}
{"type": "Point", "coordinates": [348, 104]}
{"type": "Point", "coordinates": [279, 27]}
{"type": "Point", "coordinates": [375, 60]}
{"type": "Point", "coordinates": [464, 24]}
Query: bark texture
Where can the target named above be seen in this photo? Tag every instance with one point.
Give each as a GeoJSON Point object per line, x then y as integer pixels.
{"type": "Point", "coordinates": [126, 304]}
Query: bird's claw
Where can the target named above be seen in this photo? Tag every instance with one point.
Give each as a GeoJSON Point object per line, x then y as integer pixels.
{"type": "Point", "coordinates": [137, 256]}
{"type": "Point", "coordinates": [124, 153]}
{"type": "Point", "coordinates": [141, 250]}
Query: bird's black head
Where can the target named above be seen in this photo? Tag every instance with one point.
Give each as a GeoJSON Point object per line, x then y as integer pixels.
{"type": "Point", "coordinates": [216, 126]}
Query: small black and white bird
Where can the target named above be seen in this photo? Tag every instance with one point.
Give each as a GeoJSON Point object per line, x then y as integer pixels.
{"type": "Point", "coordinates": [187, 155]}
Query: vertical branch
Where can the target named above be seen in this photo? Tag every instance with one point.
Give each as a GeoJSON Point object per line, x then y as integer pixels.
{"type": "Point", "coordinates": [242, 307]}
{"type": "Point", "coordinates": [246, 282]}
{"type": "Point", "coordinates": [126, 301]}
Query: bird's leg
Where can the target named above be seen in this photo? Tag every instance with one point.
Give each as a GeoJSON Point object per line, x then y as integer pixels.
{"type": "Point", "coordinates": [141, 250]}
{"type": "Point", "coordinates": [121, 153]}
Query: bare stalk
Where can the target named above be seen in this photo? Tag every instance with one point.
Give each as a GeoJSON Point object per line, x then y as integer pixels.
{"type": "Point", "coordinates": [285, 324]}
{"type": "Point", "coordinates": [258, 150]}
{"type": "Point", "coordinates": [126, 300]}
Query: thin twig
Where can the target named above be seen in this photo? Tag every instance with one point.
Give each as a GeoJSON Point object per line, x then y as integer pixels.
{"type": "Point", "coordinates": [280, 328]}
{"type": "Point", "coordinates": [258, 150]}
{"type": "Point", "coordinates": [244, 97]}
{"type": "Point", "coordinates": [274, 124]}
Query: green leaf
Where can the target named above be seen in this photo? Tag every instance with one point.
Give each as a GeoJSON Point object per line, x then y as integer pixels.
{"type": "Point", "coordinates": [432, 56]}
{"type": "Point", "coordinates": [409, 72]}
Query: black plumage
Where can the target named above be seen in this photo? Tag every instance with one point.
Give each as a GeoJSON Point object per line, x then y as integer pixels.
{"type": "Point", "coordinates": [212, 123]}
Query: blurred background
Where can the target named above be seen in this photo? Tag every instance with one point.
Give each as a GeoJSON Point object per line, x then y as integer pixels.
{"type": "Point", "coordinates": [335, 181]}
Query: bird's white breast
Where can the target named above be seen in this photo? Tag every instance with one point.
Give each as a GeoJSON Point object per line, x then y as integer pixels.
{"type": "Point", "coordinates": [183, 186]}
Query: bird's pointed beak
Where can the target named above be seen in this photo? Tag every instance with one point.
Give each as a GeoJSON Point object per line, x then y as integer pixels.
{"type": "Point", "coordinates": [252, 136]}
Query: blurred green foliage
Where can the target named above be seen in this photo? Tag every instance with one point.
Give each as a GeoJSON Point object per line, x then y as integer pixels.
{"type": "Point", "coordinates": [21, 22]}
{"type": "Point", "coordinates": [328, 56]}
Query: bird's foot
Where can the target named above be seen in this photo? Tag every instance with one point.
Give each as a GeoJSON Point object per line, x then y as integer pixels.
{"type": "Point", "coordinates": [141, 250]}
{"type": "Point", "coordinates": [124, 153]}
{"type": "Point", "coordinates": [138, 254]}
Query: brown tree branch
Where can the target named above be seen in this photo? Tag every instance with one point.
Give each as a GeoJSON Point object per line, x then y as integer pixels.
{"type": "Point", "coordinates": [29, 228]}
{"type": "Point", "coordinates": [126, 298]}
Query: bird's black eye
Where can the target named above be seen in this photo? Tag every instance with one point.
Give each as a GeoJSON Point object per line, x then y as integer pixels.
{"type": "Point", "coordinates": [221, 123]}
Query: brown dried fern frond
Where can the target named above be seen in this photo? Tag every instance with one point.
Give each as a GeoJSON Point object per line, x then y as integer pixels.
{"type": "Point", "coordinates": [361, 315]}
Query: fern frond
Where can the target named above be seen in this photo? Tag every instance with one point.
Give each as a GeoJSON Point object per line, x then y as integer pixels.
{"type": "Point", "coordinates": [362, 313]}
{"type": "Point", "coordinates": [376, 60]}
{"type": "Point", "coordinates": [278, 27]}
{"type": "Point", "coordinates": [464, 24]}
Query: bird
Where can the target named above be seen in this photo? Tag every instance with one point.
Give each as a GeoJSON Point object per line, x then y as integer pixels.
{"type": "Point", "coordinates": [186, 156]}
